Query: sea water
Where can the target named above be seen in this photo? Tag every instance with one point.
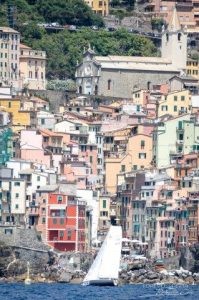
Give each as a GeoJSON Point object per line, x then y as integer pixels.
{"type": "Point", "coordinates": [16, 291]}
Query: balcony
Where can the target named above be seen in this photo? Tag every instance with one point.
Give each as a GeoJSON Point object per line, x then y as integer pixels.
{"type": "Point", "coordinates": [35, 54]}
{"type": "Point", "coordinates": [180, 129]}
{"type": "Point", "coordinates": [34, 211]}
{"type": "Point", "coordinates": [184, 4]}
{"type": "Point", "coordinates": [179, 142]}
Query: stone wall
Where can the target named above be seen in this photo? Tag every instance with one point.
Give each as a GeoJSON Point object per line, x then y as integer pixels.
{"type": "Point", "coordinates": [123, 82]}
{"type": "Point", "coordinates": [19, 237]}
{"type": "Point", "coordinates": [54, 97]}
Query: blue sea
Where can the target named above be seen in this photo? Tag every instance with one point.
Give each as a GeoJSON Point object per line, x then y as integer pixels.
{"type": "Point", "coordinates": [12, 291]}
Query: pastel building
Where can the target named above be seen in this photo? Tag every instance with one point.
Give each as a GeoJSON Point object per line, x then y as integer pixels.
{"type": "Point", "coordinates": [9, 56]}
{"type": "Point", "coordinates": [20, 118]}
{"type": "Point", "coordinates": [100, 7]}
{"type": "Point", "coordinates": [171, 137]}
{"type": "Point", "coordinates": [175, 103]}
{"type": "Point", "coordinates": [65, 223]}
{"type": "Point", "coordinates": [31, 148]}
{"type": "Point", "coordinates": [32, 64]}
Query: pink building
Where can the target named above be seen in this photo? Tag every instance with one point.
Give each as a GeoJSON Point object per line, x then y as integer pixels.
{"type": "Point", "coordinates": [31, 148]}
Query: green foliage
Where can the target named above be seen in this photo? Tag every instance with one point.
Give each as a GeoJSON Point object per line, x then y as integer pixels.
{"type": "Point", "coordinates": [195, 56]}
{"type": "Point", "coordinates": [65, 48]}
{"type": "Point", "coordinates": [67, 12]}
{"type": "Point", "coordinates": [75, 12]}
{"type": "Point", "coordinates": [157, 23]}
{"type": "Point", "coordinates": [61, 85]}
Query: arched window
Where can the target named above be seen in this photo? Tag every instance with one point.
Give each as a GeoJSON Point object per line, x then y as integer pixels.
{"type": "Point", "coordinates": [96, 90]}
{"type": "Point", "coordinates": [109, 84]}
{"type": "Point", "coordinates": [179, 36]}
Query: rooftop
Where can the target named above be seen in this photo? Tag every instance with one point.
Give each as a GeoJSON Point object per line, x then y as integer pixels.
{"type": "Point", "coordinates": [8, 30]}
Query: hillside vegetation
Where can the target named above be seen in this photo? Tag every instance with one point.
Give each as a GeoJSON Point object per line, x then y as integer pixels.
{"type": "Point", "coordinates": [64, 48]}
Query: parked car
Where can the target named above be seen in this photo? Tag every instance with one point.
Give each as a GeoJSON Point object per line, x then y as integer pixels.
{"type": "Point", "coordinates": [72, 28]}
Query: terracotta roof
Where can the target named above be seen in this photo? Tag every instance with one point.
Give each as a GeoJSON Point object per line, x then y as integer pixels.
{"type": "Point", "coordinates": [46, 132]}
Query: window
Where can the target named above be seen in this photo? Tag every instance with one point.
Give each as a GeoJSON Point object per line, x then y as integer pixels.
{"type": "Point", "coordinates": [8, 231]}
{"type": "Point", "coordinates": [182, 98]}
{"type": "Point", "coordinates": [61, 221]}
{"type": "Point", "coordinates": [175, 108]}
{"type": "Point", "coordinates": [42, 121]}
{"type": "Point", "coordinates": [17, 195]}
{"type": "Point", "coordinates": [54, 221]}
{"type": "Point", "coordinates": [9, 104]}
{"type": "Point", "coordinates": [16, 206]}
{"type": "Point", "coordinates": [91, 159]}
{"type": "Point", "coordinates": [142, 144]}
{"type": "Point", "coordinates": [38, 178]}
{"type": "Point", "coordinates": [175, 98]}
{"type": "Point", "coordinates": [179, 36]}
{"type": "Point", "coordinates": [123, 167]}
{"type": "Point", "coordinates": [43, 220]}
{"type": "Point", "coordinates": [104, 204]}
{"type": "Point", "coordinates": [59, 198]}
{"type": "Point", "coordinates": [103, 214]}
{"type": "Point", "coordinates": [17, 183]}
{"type": "Point", "coordinates": [69, 233]}
{"type": "Point", "coordinates": [42, 75]}
{"type": "Point", "coordinates": [164, 107]}
{"type": "Point", "coordinates": [61, 234]}
{"type": "Point", "coordinates": [142, 155]}
{"type": "Point", "coordinates": [109, 84]}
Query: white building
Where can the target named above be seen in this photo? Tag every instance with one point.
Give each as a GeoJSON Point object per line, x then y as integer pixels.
{"type": "Point", "coordinates": [18, 200]}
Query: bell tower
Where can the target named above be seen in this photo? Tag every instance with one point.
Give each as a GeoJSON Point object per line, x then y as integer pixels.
{"type": "Point", "coordinates": [174, 42]}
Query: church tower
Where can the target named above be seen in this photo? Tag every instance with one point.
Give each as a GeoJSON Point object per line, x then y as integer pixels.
{"type": "Point", "coordinates": [174, 43]}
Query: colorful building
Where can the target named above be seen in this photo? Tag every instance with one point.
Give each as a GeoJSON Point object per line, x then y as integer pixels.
{"type": "Point", "coordinates": [100, 7]}
{"type": "Point", "coordinates": [65, 222]}
{"type": "Point", "coordinates": [32, 65]}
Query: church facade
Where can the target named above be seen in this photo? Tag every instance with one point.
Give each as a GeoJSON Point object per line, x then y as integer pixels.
{"type": "Point", "coordinates": [119, 76]}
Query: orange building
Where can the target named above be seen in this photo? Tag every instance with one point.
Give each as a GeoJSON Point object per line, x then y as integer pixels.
{"type": "Point", "coordinates": [65, 223]}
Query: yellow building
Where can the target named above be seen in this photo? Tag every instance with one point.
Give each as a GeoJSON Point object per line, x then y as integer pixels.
{"type": "Point", "coordinates": [32, 68]}
{"type": "Point", "coordinates": [104, 214]}
{"type": "Point", "coordinates": [175, 103]}
{"type": "Point", "coordinates": [116, 164]}
{"type": "Point", "coordinates": [19, 118]}
{"type": "Point", "coordinates": [192, 68]}
{"type": "Point", "coordinates": [100, 7]}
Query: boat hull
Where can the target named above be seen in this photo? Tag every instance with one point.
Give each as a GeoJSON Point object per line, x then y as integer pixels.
{"type": "Point", "coordinates": [101, 282]}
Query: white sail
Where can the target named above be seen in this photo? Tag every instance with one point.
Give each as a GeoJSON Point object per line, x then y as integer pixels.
{"type": "Point", "coordinates": [106, 264]}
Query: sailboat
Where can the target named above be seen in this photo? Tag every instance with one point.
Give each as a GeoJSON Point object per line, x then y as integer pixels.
{"type": "Point", "coordinates": [28, 280]}
{"type": "Point", "coordinates": [105, 268]}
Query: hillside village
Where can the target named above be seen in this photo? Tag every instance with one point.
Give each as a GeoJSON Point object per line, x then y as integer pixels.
{"type": "Point", "coordinates": [124, 150]}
